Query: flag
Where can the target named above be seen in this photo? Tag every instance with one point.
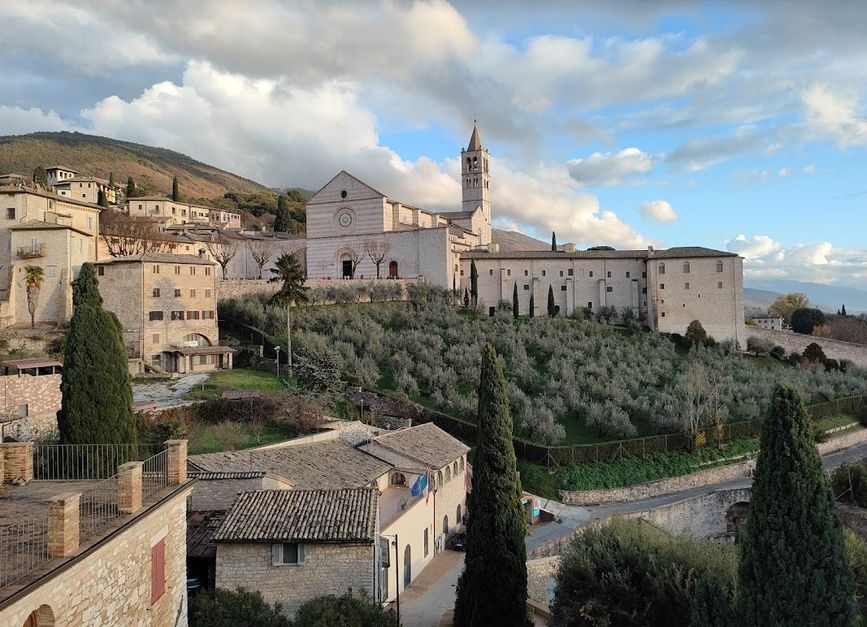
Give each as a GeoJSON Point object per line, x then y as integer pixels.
{"type": "Point", "coordinates": [428, 474]}
{"type": "Point", "coordinates": [419, 486]}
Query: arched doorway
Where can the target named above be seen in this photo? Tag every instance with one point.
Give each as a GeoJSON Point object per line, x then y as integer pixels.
{"type": "Point", "coordinates": [407, 566]}
{"type": "Point", "coordinates": [392, 270]}
{"type": "Point", "coordinates": [345, 266]}
{"type": "Point", "coordinates": [43, 616]}
{"type": "Point", "coordinates": [458, 518]}
{"type": "Point", "coordinates": [445, 525]}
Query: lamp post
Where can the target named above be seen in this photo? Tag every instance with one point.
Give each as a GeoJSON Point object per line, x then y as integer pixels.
{"type": "Point", "coordinates": [277, 350]}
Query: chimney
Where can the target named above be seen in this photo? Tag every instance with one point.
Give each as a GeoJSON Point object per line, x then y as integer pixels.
{"type": "Point", "coordinates": [18, 460]}
{"type": "Point", "coordinates": [63, 525]}
{"type": "Point", "coordinates": [569, 248]}
{"type": "Point", "coordinates": [129, 494]}
{"type": "Point", "coordinates": [650, 249]}
{"type": "Point", "coordinates": [493, 248]}
{"type": "Point", "coordinates": [176, 461]}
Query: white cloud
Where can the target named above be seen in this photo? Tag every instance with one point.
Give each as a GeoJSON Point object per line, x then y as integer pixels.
{"type": "Point", "coordinates": [658, 210]}
{"type": "Point", "coordinates": [835, 115]}
{"type": "Point", "coordinates": [756, 246]}
{"type": "Point", "coordinates": [610, 168]}
{"type": "Point", "coordinates": [17, 121]}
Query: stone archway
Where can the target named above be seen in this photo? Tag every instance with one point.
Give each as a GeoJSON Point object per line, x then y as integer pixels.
{"type": "Point", "coordinates": [43, 616]}
{"type": "Point", "coordinates": [393, 270]}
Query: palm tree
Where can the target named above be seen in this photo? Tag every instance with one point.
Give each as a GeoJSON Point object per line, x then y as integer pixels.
{"type": "Point", "coordinates": [292, 292]}
{"type": "Point", "coordinates": [33, 277]}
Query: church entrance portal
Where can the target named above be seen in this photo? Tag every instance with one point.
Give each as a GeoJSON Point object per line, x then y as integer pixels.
{"type": "Point", "coordinates": [392, 270]}
{"type": "Point", "coordinates": [346, 266]}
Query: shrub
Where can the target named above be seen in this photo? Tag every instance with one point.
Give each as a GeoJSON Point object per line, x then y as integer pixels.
{"type": "Point", "coordinates": [849, 483]}
{"type": "Point", "coordinates": [302, 412]}
{"type": "Point", "coordinates": [227, 608]}
{"type": "Point", "coordinates": [778, 353]}
{"type": "Point", "coordinates": [695, 334]}
{"type": "Point", "coordinates": [761, 346]}
{"type": "Point", "coordinates": [344, 611]}
{"type": "Point", "coordinates": [814, 354]}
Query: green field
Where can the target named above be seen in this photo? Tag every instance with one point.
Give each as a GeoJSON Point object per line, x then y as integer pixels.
{"type": "Point", "coordinates": [232, 436]}
{"type": "Point", "coordinates": [237, 379]}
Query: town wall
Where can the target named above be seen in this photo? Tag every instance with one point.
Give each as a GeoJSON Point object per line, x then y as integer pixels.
{"type": "Point", "coordinates": [112, 585]}
{"type": "Point", "coordinates": [796, 342]}
{"type": "Point", "coordinates": [327, 569]}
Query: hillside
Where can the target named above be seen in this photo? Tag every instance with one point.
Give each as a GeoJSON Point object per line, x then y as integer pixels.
{"type": "Point", "coordinates": [151, 168]}
{"type": "Point", "coordinates": [513, 240]}
{"type": "Point", "coordinates": [825, 296]}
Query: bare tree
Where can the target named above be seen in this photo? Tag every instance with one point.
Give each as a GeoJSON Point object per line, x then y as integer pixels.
{"type": "Point", "coordinates": [222, 250]}
{"type": "Point", "coordinates": [355, 256]}
{"type": "Point", "coordinates": [125, 235]}
{"type": "Point", "coordinates": [700, 392]}
{"type": "Point", "coordinates": [262, 251]}
{"type": "Point", "coordinates": [377, 251]}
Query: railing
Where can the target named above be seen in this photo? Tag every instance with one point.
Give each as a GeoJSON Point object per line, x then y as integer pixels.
{"type": "Point", "coordinates": [98, 506]}
{"type": "Point", "coordinates": [155, 475]}
{"type": "Point", "coordinates": [31, 252]}
{"type": "Point", "coordinates": [83, 462]}
{"type": "Point", "coordinates": [23, 549]}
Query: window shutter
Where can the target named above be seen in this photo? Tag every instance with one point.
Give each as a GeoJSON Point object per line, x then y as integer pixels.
{"type": "Point", "coordinates": [276, 554]}
{"type": "Point", "coordinates": [300, 553]}
{"type": "Point", "coordinates": [158, 571]}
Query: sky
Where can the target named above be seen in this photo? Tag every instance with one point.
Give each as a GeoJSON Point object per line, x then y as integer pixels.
{"type": "Point", "coordinates": [738, 126]}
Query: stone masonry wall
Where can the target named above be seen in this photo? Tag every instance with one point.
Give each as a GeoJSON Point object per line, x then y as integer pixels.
{"type": "Point", "coordinates": [112, 586]}
{"type": "Point", "coordinates": [327, 569]}
{"type": "Point", "coordinates": [835, 349]}
{"type": "Point", "coordinates": [221, 493]}
{"type": "Point", "coordinates": [237, 288]}
{"type": "Point", "coordinates": [540, 575]}
{"type": "Point", "coordinates": [41, 395]}
{"type": "Point", "coordinates": [700, 517]}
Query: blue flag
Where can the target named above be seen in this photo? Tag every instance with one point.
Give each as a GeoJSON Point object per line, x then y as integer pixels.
{"type": "Point", "coordinates": [419, 485]}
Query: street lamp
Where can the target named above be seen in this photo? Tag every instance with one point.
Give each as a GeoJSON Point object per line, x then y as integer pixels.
{"type": "Point", "coordinates": [277, 350]}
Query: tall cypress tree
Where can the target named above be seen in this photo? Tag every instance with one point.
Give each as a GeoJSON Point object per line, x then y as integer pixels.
{"type": "Point", "coordinates": [176, 190]}
{"type": "Point", "coordinates": [532, 305]}
{"type": "Point", "coordinates": [474, 283]}
{"type": "Point", "coordinates": [793, 568]}
{"type": "Point", "coordinates": [553, 240]}
{"type": "Point", "coordinates": [283, 219]}
{"type": "Point", "coordinates": [101, 199]}
{"type": "Point", "coordinates": [492, 590]}
{"type": "Point", "coordinates": [96, 405]}
{"type": "Point", "coordinates": [552, 308]}
{"type": "Point", "coordinates": [130, 187]}
{"type": "Point", "coordinates": [515, 300]}
{"type": "Point", "coordinates": [40, 177]}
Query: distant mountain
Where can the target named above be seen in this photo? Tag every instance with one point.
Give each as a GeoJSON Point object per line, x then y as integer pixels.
{"type": "Point", "coordinates": [824, 296]}
{"type": "Point", "coordinates": [758, 299]}
{"type": "Point", "coordinates": [513, 240]}
{"type": "Point", "coordinates": [151, 168]}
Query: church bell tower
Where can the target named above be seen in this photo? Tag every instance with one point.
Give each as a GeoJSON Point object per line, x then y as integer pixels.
{"type": "Point", "coordinates": [475, 179]}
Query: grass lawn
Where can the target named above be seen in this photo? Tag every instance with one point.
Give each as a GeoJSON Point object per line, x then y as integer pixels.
{"type": "Point", "coordinates": [232, 436]}
{"type": "Point", "coordinates": [237, 379]}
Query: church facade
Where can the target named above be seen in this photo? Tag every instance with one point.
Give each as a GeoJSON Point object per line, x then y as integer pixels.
{"type": "Point", "coordinates": [355, 231]}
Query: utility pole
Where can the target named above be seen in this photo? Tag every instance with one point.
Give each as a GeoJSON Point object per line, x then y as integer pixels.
{"type": "Point", "coordinates": [277, 350]}
{"type": "Point", "coordinates": [288, 340]}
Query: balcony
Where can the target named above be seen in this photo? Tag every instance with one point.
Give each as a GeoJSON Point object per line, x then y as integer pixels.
{"type": "Point", "coordinates": [31, 252]}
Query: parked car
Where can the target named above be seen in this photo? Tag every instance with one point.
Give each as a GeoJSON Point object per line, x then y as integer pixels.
{"type": "Point", "coordinates": [458, 542]}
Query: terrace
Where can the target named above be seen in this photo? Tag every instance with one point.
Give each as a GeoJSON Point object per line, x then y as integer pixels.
{"type": "Point", "coordinates": [61, 500]}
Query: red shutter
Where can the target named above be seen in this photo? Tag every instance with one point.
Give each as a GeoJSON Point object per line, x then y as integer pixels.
{"type": "Point", "coordinates": [158, 571]}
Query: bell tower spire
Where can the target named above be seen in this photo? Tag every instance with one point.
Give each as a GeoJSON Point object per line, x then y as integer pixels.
{"type": "Point", "coordinates": [475, 182]}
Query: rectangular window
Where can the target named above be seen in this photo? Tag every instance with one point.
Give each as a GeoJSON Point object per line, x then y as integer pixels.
{"type": "Point", "coordinates": [51, 270]}
{"type": "Point", "coordinates": [100, 271]}
{"type": "Point", "coordinates": [426, 542]}
{"type": "Point", "coordinates": [10, 213]}
{"type": "Point", "coordinates": [662, 314]}
{"type": "Point", "coordinates": [207, 293]}
{"type": "Point", "coordinates": [662, 268]}
{"type": "Point", "coordinates": [609, 289]}
{"type": "Point", "coordinates": [156, 270]}
{"type": "Point", "coordinates": [462, 273]}
{"type": "Point", "coordinates": [589, 304]}
{"type": "Point", "coordinates": [193, 270]}
{"type": "Point", "coordinates": [526, 287]}
{"type": "Point", "coordinates": [207, 272]}
{"type": "Point", "coordinates": [287, 553]}
{"type": "Point", "coordinates": [662, 286]}
{"type": "Point", "coordinates": [562, 288]}
{"type": "Point", "coordinates": [193, 315]}
{"type": "Point", "coordinates": [570, 272]}
{"type": "Point", "coordinates": [177, 315]}
{"type": "Point", "coordinates": [686, 267]}
{"type": "Point", "coordinates": [156, 292]}
{"type": "Point", "coordinates": [719, 285]}
{"type": "Point", "coordinates": [89, 223]}
{"type": "Point", "coordinates": [561, 273]}
{"type": "Point", "coordinates": [491, 272]}
{"type": "Point", "coordinates": [644, 275]}
{"type": "Point", "coordinates": [177, 269]}
{"type": "Point", "coordinates": [155, 338]}
{"type": "Point", "coordinates": [508, 272]}
{"type": "Point", "coordinates": [23, 411]}
{"type": "Point", "coordinates": [543, 273]}
{"type": "Point", "coordinates": [155, 315]}
{"type": "Point", "coordinates": [719, 266]}
{"type": "Point", "coordinates": [686, 286]}
{"type": "Point", "coordinates": [177, 293]}
{"type": "Point", "coordinates": [158, 571]}
{"type": "Point", "coordinates": [609, 274]}
{"type": "Point", "coordinates": [627, 274]}
{"type": "Point", "coordinates": [644, 290]}
{"type": "Point", "coordinates": [192, 293]}
{"type": "Point", "coordinates": [526, 272]}
{"type": "Point", "coordinates": [590, 274]}
{"type": "Point", "coordinates": [208, 314]}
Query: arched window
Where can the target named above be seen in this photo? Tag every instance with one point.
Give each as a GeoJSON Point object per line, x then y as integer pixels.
{"type": "Point", "coordinates": [445, 525]}
{"type": "Point", "coordinates": [398, 479]}
{"type": "Point", "coordinates": [455, 468]}
{"type": "Point", "coordinates": [469, 163]}
{"type": "Point", "coordinates": [458, 518]}
{"type": "Point", "coordinates": [439, 477]}
{"type": "Point", "coordinates": [462, 462]}
{"type": "Point", "coordinates": [392, 270]}
{"type": "Point", "coordinates": [448, 474]}
{"type": "Point", "coordinates": [43, 616]}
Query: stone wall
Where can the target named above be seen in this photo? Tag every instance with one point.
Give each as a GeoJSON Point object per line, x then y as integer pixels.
{"type": "Point", "coordinates": [540, 578]}
{"type": "Point", "coordinates": [835, 349]}
{"type": "Point", "coordinates": [40, 394]}
{"type": "Point", "coordinates": [112, 585]}
{"type": "Point", "coordinates": [327, 569]}
{"type": "Point", "coordinates": [235, 288]}
{"type": "Point", "coordinates": [700, 517]}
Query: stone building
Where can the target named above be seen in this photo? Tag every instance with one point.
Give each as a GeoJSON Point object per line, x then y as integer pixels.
{"type": "Point", "coordinates": [666, 288]}
{"type": "Point", "coordinates": [351, 226]}
{"type": "Point", "coordinates": [96, 550]}
{"type": "Point", "coordinates": [412, 528]}
{"type": "Point", "coordinates": [86, 188]}
{"type": "Point", "coordinates": [167, 305]}
{"type": "Point", "coordinates": [57, 234]}
{"type": "Point", "coordinates": [295, 545]}
{"type": "Point", "coordinates": [169, 212]}
{"type": "Point", "coordinates": [30, 393]}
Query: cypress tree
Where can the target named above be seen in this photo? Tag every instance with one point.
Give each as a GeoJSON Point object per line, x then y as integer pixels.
{"type": "Point", "coordinates": [101, 199]}
{"type": "Point", "coordinates": [466, 298]}
{"type": "Point", "coordinates": [130, 187]}
{"type": "Point", "coordinates": [532, 305]}
{"type": "Point", "coordinates": [793, 568]}
{"type": "Point", "coordinates": [843, 311]}
{"type": "Point", "coordinates": [474, 283]}
{"type": "Point", "coordinates": [492, 589]}
{"type": "Point", "coordinates": [515, 300]}
{"type": "Point", "coordinates": [283, 219]}
{"type": "Point", "coordinates": [40, 177]}
{"type": "Point", "coordinates": [553, 240]}
{"type": "Point", "coordinates": [552, 308]}
{"type": "Point", "coordinates": [96, 405]}
{"type": "Point", "coordinates": [111, 179]}
{"type": "Point", "coordinates": [176, 190]}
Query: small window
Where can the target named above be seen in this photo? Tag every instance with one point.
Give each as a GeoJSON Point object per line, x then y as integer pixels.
{"type": "Point", "coordinates": [398, 478]}
{"type": "Point", "coordinates": [287, 553]}
{"type": "Point", "coordinates": [570, 272]}
{"type": "Point", "coordinates": [193, 315]}
{"type": "Point", "coordinates": [23, 411]}
{"type": "Point", "coordinates": [193, 270]}
{"type": "Point", "coordinates": [491, 272]}
{"type": "Point", "coordinates": [561, 273]}
{"type": "Point", "coordinates": [158, 571]}
{"type": "Point", "coordinates": [177, 269]}
{"type": "Point", "coordinates": [609, 289]}
{"type": "Point", "coordinates": [207, 293]}
{"type": "Point", "coordinates": [51, 271]}
{"type": "Point", "coordinates": [508, 272]}
{"type": "Point", "coordinates": [562, 288]}
{"type": "Point", "coordinates": [155, 338]}
{"type": "Point", "coordinates": [686, 286]}
{"type": "Point", "coordinates": [644, 290]}
{"type": "Point", "coordinates": [662, 268]}
{"type": "Point", "coordinates": [156, 292]}
{"type": "Point", "coordinates": [526, 287]}
{"type": "Point", "coordinates": [719, 285]}
{"type": "Point", "coordinates": [719, 266]}
{"type": "Point", "coordinates": [591, 274]}
{"type": "Point", "coordinates": [10, 213]}
{"type": "Point", "coordinates": [609, 274]}
{"type": "Point", "coordinates": [426, 542]}
{"type": "Point", "coordinates": [644, 275]}
{"type": "Point", "coordinates": [343, 193]}
{"type": "Point", "coordinates": [662, 286]}
{"type": "Point", "coordinates": [100, 271]}
{"type": "Point", "coordinates": [208, 315]}
{"type": "Point", "coordinates": [156, 269]}
{"type": "Point", "coordinates": [177, 293]}
{"type": "Point", "coordinates": [662, 314]}
{"type": "Point", "coordinates": [686, 267]}
{"type": "Point", "coordinates": [192, 293]}
{"type": "Point", "coordinates": [589, 304]}
{"type": "Point", "coordinates": [526, 272]}
{"type": "Point", "coordinates": [627, 274]}
{"type": "Point", "coordinates": [89, 222]}
{"type": "Point", "coordinates": [155, 315]}
{"type": "Point", "coordinates": [207, 271]}
{"type": "Point", "coordinates": [462, 273]}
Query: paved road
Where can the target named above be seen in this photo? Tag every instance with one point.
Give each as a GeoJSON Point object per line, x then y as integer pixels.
{"type": "Point", "coordinates": [432, 593]}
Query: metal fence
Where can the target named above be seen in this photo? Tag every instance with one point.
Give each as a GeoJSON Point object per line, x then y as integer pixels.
{"type": "Point", "coordinates": [85, 462]}
{"type": "Point", "coordinates": [23, 548]}
{"type": "Point", "coordinates": [155, 475]}
{"type": "Point", "coordinates": [98, 506]}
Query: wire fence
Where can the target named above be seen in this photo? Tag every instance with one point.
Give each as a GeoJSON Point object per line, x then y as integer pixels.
{"type": "Point", "coordinates": [85, 462]}
{"type": "Point", "coordinates": [23, 548]}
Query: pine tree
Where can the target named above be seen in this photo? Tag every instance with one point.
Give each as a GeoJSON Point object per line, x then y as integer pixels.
{"type": "Point", "coordinates": [96, 405]}
{"type": "Point", "coordinates": [515, 311]}
{"type": "Point", "coordinates": [552, 308]}
{"type": "Point", "coordinates": [793, 568]}
{"type": "Point", "coordinates": [283, 219]}
{"type": "Point", "coordinates": [474, 283]}
{"type": "Point", "coordinates": [130, 187]}
{"type": "Point", "coordinates": [111, 180]}
{"type": "Point", "coordinates": [492, 589]}
{"type": "Point", "coordinates": [843, 311]}
{"type": "Point", "coordinates": [553, 240]}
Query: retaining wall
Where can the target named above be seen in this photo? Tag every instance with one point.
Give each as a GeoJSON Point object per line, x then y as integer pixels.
{"type": "Point", "coordinates": [835, 349]}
